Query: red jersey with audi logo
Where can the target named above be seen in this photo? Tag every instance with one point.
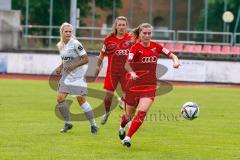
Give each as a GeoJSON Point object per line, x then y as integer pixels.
{"type": "Point", "coordinates": [117, 51]}
{"type": "Point", "coordinates": [143, 61]}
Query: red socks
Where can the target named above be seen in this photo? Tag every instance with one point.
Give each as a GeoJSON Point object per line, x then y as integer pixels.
{"type": "Point", "coordinates": [124, 121]}
{"type": "Point", "coordinates": [136, 122]}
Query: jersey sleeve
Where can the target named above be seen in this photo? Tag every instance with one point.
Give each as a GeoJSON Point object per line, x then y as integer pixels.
{"type": "Point", "coordinates": [104, 47]}
{"type": "Point", "coordinates": [162, 50]}
{"type": "Point", "coordinates": [132, 53]}
{"type": "Point", "coordinates": [79, 48]}
{"type": "Point", "coordinates": [103, 50]}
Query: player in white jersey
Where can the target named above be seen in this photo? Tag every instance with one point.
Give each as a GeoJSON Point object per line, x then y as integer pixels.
{"type": "Point", "coordinates": [73, 70]}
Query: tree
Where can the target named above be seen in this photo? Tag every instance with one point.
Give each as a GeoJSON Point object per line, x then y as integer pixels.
{"type": "Point", "coordinates": [39, 10]}
{"type": "Point", "coordinates": [215, 12]}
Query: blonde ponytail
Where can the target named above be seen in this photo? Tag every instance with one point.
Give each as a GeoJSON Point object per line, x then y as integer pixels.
{"type": "Point", "coordinates": [135, 32]}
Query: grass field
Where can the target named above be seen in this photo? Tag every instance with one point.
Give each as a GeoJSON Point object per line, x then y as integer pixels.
{"type": "Point", "coordinates": [29, 128]}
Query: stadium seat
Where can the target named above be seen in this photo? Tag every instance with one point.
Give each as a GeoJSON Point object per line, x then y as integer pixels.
{"type": "Point", "coordinates": [225, 50]}
{"type": "Point", "coordinates": [188, 48]}
{"type": "Point", "coordinates": [193, 48]}
{"type": "Point", "coordinates": [197, 48]}
{"type": "Point", "coordinates": [178, 47]}
{"type": "Point", "coordinates": [170, 46]}
{"type": "Point", "coordinates": [207, 48]}
{"type": "Point", "coordinates": [216, 49]}
{"type": "Point", "coordinates": [235, 50]}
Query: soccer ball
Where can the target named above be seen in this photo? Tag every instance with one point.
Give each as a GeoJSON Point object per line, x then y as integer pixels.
{"type": "Point", "coordinates": [190, 110]}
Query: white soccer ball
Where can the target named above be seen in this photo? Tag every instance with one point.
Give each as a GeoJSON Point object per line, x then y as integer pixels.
{"type": "Point", "coordinates": [190, 110]}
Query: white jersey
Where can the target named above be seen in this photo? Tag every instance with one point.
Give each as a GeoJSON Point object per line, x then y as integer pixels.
{"type": "Point", "coordinates": [72, 50]}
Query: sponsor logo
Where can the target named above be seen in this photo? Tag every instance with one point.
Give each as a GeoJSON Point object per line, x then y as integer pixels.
{"type": "Point", "coordinates": [151, 59]}
{"type": "Point", "coordinates": [67, 58]}
{"type": "Point", "coordinates": [122, 52]}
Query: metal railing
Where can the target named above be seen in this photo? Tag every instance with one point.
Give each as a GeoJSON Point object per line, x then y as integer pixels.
{"type": "Point", "coordinates": [201, 37]}
{"type": "Point", "coordinates": [92, 37]}
{"type": "Point", "coordinates": [43, 39]}
{"type": "Point", "coordinates": [237, 39]}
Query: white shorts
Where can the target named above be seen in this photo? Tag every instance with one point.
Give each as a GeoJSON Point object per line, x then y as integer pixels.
{"type": "Point", "coordinates": [76, 87]}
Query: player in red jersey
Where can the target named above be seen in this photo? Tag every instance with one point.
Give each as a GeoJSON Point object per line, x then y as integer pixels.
{"type": "Point", "coordinates": [142, 85]}
{"type": "Point", "coordinates": [116, 47]}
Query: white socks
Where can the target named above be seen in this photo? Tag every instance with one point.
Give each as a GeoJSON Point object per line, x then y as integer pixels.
{"type": "Point", "coordinates": [88, 113]}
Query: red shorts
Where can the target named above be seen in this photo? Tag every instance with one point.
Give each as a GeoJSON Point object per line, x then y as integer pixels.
{"type": "Point", "coordinates": [134, 94]}
{"type": "Point", "coordinates": [112, 80]}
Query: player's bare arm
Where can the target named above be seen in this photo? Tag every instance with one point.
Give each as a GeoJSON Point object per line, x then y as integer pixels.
{"type": "Point", "coordinates": [79, 61]}
{"type": "Point", "coordinates": [59, 69]}
{"type": "Point", "coordinates": [176, 63]}
{"type": "Point", "coordinates": [99, 63]}
{"type": "Point", "coordinates": [130, 70]}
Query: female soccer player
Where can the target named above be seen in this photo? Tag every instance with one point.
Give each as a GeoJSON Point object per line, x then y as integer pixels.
{"type": "Point", "coordinates": [116, 46]}
{"type": "Point", "coordinates": [73, 69]}
{"type": "Point", "coordinates": [141, 66]}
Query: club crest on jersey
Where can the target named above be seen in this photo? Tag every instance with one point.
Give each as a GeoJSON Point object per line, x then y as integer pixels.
{"type": "Point", "coordinates": [154, 50]}
{"type": "Point", "coordinates": [125, 45]}
{"type": "Point", "coordinates": [110, 46]}
{"type": "Point", "coordinates": [140, 52]}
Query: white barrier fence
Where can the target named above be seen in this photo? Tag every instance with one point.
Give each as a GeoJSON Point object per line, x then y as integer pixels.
{"type": "Point", "coordinates": [190, 70]}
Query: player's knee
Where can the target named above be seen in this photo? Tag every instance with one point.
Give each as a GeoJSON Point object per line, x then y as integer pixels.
{"type": "Point", "coordinates": [60, 99]}
{"type": "Point", "coordinates": [81, 100]}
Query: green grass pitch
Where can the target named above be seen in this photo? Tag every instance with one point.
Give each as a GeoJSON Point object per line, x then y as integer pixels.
{"type": "Point", "coordinates": [29, 129]}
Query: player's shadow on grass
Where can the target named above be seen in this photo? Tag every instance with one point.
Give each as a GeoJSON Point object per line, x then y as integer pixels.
{"type": "Point", "coordinates": [98, 110]}
{"type": "Point", "coordinates": [163, 88]}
